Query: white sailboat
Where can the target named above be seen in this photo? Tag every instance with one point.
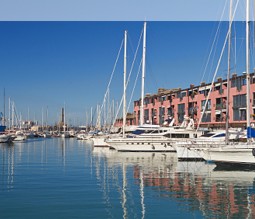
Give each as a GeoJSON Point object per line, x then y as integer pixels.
{"type": "Point", "coordinates": [160, 139]}
{"type": "Point", "coordinates": [100, 140]}
{"type": "Point", "coordinates": [5, 138]}
{"type": "Point", "coordinates": [243, 153]}
{"type": "Point", "coordinates": [194, 149]}
{"type": "Point", "coordinates": [20, 136]}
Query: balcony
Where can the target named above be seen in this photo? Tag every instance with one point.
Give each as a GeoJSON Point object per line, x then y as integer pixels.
{"type": "Point", "coordinates": [193, 111]}
{"type": "Point", "coordinates": [235, 107]}
{"type": "Point", "coordinates": [220, 106]}
{"type": "Point", "coordinates": [207, 108]}
{"type": "Point", "coordinates": [220, 119]}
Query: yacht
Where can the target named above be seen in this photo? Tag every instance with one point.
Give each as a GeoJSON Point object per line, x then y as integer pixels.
{"type": "Point", "coordinates": [192, 149]}
{"type": "Point", "coordinates": [4, 138]}
{"type": "Point", "coordinates": [158, 140]}
{"type": "Point", "coordinates": [19, 136]}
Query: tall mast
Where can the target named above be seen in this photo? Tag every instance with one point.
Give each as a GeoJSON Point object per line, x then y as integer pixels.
{"type": "Point", "coordinates": [47, 113]}
{"type": "Point", "coordinates": [124, 93]}
{"type": "Point", "coordinates": [42, 120]}
{"type": "Point", "coordinates": [228, 76]}
{"type": "Point", "coordinates": [247, 64]}
{"type": "Point", "coordinates": [143, 76]}
{"type": "Point", "coordinates": [4, 108]}
{"type": "Point", "coordinates": [91, 117]}
{"type": "Point", "coordinates": [9, 114]}
{"type": "Point", "coordinates": [64, 118]}
{"type": "Point", "coordinates": [12, 114]}
{"type": "Point", "coordinates": [28, 116]}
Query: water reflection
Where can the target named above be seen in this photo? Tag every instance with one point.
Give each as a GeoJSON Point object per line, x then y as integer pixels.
{"type": "Point", "coordinates": [77, 178]}
{"type": "Point", "coordinates": [63, 150]}
{"type": "Point", "coordinates": [197, 186]}
{"type": "Point", "coordinates": [7, 151]}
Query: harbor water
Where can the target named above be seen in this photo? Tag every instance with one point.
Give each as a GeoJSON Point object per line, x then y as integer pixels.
{"type": "Point", "coordinates": [67, 178]}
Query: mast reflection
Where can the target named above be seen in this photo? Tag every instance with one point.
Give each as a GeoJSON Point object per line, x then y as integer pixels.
{"type": "Point", "coordinates": [201, 186]}
{"type": "Point", "coordinates": [8, 170]}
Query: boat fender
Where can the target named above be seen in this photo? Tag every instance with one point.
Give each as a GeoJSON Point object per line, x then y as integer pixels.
{"type": "Point", "coordinates": [165, 145]}
{"type": "Point", "coordinates": [253, 152]}
{"type": "Point", "coordinates": [153, 147]}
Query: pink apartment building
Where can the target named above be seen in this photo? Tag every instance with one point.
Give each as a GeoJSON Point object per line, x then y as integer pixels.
{"type": "Point", "coordinates": [191, 101]}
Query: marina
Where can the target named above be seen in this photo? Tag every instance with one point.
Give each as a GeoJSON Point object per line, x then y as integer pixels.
{"type": "Point", "coordinates": [84, 135]}
{"type": "Point", "coordinates": [67, 178]}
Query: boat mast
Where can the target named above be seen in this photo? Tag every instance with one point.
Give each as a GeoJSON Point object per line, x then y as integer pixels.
{"type": "Point", "coordinates": [9, 114]}
{"type": "Point", "coordinates": [4, 108]}
{"type": "Point", "coordinates": [64, 118]}
{"type": "Point", "coordinates": [247, 64]}
{"type": "Point", "coordinates": [143, 76]}
{"type": "Point", "coordinates": [12, 114]}
{"type": "Point", "coordinates": [124, 92]}
{"type": "Point", "coordinates": [46, 118]}
{"type": "Point", "coordinates": [228, 76]}
{"type": "Point", "coordinates": [42, 120]}
{"type": "Point", "coordinates": [91, 117]}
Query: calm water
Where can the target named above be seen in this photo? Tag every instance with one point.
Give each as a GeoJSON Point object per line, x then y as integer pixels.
{"type": "Point", "coordinates": [56, 178]}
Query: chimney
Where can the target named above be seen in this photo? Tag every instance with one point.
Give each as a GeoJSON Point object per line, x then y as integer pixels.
{"type": "Point", "coordinates": [202, 83]}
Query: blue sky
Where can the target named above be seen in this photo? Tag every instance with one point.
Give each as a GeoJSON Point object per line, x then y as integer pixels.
{"type": "Point", "coordinates": [46, 64]}
{"type": "Point", "coordinates": [117, 10]}
{"type": "Point", "coordinates": [56, 52]}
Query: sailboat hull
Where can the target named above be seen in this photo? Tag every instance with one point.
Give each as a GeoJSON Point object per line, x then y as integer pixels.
{"type": "Point", "coordinates": [241, 154]}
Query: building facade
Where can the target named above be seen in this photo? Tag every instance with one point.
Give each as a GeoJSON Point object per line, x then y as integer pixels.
{"type": "Point", "coordinates": [177, 103]}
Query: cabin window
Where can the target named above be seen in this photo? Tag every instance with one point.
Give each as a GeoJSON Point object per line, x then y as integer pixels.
{"type": "Point", "coordinates": [180, 135]}
{"type": "Point", "coordinates": [219, 135]}
{"type": "Point", "coordinates": [167, 135]}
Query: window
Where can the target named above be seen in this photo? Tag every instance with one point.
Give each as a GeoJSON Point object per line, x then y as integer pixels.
{"type": "Point", "coordinates": [177, 135]}
{"type": "Point", "coordinates": [239, 101]}
{"type": "Point", "coordinates": [161, 115]}
{"type": "Point", "coordinates": [220, 103]}
{"type": "Point", "coordinates": [170, 111]}
{"type": "Point", "coordinates": [243, 114]}
{"type": "Point", "coordinates": [181, 94]}
{"type": "Point", "coordinates": [181, 112]}
{"type": "Point", "coordinates": [238, 82]}
{"type": "Point", "coordinates": [146, 115]}
{"type": "Point", "coordinates": [208, 106]}
{"type": "Point", "coordinates": [239, 114]}
{"type": "Point", "coordinates": [163, 98]}
{"type": "Point", "coordinates": [219, 135]}
{"type": "Point", "coordinates": [219, 89]}
{"type": "Point", "coordinates": [206, 117]}
{"type": "Point", "coordinates": [146, 101]}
